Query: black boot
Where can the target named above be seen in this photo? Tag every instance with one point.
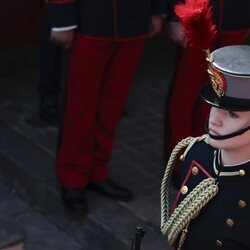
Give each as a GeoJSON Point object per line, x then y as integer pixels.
{"type": "Point", "coordinates": [49, 111]}
{"type": "Point", "coordinates": [74, 199]}
{"type": "Point", "coordinates": [110, 189]}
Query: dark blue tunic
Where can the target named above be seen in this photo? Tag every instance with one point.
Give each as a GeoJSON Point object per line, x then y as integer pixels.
{"type": "Point", "coordinates": [225, 221]}
{"type": "Point", "coordinates": [107, 18]}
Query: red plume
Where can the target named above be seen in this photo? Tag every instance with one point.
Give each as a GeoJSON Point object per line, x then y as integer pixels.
{"type": "Point", "coordinates": [197, 19]}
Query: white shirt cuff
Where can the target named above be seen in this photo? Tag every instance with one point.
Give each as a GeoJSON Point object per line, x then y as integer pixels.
{"type": "Point", "coordinates": [64, 28]}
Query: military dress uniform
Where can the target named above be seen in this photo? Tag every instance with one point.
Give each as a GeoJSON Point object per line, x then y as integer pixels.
{"type": "Point", "coordinates": [187, 116]}
{"type": "Point", "coordinates": [108, 44]}
{"type": "Point", "coordinates": [225, 221]}
{"type": "Point", "coordinates": [211, 209]}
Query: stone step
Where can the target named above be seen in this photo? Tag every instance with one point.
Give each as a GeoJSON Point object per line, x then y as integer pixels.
{"type": "Point", "coordinates": [27, 149]}
{"type": "Point", "coordinates": [28, 167]}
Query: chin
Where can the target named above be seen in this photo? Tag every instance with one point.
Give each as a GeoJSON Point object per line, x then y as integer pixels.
{"type": "Point", "coordinates": [217, 143]}
{"type": "Point", "coordinates": [226, 144]}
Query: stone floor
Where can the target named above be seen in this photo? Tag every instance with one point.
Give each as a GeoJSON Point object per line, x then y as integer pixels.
{"type": "Point", "coordinates": [27, 153]}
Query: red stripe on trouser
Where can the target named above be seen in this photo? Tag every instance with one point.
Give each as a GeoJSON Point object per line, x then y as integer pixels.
{"type": "Point", "coordinates": [100, 73]}
{"type": "Point", "coordinates": [186, 112]}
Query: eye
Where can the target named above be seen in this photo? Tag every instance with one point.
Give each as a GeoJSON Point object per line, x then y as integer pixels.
{"type": "Point", "coordinates": [233, 114]}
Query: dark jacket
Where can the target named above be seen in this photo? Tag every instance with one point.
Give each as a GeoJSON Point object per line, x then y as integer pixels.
{"type": "Point", "coordinates": [229, 15]}
{"type": "Point", "coordinates": [225, 220]}
{"type": "Point", "coordinates": [107, 18]}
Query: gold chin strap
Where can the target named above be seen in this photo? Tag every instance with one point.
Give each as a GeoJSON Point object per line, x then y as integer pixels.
{"type": "Point", "coordinates": [176, 224]}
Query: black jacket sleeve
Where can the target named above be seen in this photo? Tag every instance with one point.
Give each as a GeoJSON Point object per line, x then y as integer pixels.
{"type": "Point", "coordinates": [63, 13]}
{"type": "Point", "coordinates": [170, 9]}
{"type": "Point", "coordinates": [158, 7]}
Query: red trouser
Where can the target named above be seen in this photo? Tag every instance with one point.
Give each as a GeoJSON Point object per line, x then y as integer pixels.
{"type": "Point", "coordinates": [186, 112]}
{"type": "Point", "coordinates": [100, 74]}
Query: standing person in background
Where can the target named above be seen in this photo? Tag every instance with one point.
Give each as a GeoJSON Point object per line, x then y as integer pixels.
{"type": "Point", "coordinates": [185, 112]}
{"type": "Point", "coordinates": [107, 39]}
{"type": "Point", "coordinates": [49, 87]}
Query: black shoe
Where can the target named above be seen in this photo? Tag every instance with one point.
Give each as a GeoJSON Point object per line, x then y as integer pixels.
{"type": "Point", "coordinates": [111, 190]}
{"type": "Point", "coordinates": [49, 111]}
{"type": "Point", "coordinates": [74, 199]}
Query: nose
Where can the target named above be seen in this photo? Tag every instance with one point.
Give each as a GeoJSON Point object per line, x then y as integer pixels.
{"type": "Point", "coordinates": [216, 117]}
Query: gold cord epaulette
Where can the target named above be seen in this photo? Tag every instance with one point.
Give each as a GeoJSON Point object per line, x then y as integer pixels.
{"type": "Point", "coordinates": [172, 226]}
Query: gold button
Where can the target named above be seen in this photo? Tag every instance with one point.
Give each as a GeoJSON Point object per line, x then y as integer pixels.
{"type": "Point", "coordinates": [219, 243]}
{"type": "Point", "coordinates": [230, 222]}
{"type": "Point", "coordinates": [242, 204]}
{"type": "Point", "coordinates": [242, 172]}
{"type": "Point", "coordinates": [182, 158]}
{"type": "Point", "coordinates": [184, 189]}
{"type": "Point", "coordinates": [195, 170]}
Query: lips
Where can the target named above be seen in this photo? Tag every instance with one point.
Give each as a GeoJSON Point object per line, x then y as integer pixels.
{"type": "Point", "coordinates": [213, 132]}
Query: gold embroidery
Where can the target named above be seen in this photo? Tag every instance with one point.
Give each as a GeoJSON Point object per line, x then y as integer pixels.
{"type": "Point", "coordinates": [217, 79]}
